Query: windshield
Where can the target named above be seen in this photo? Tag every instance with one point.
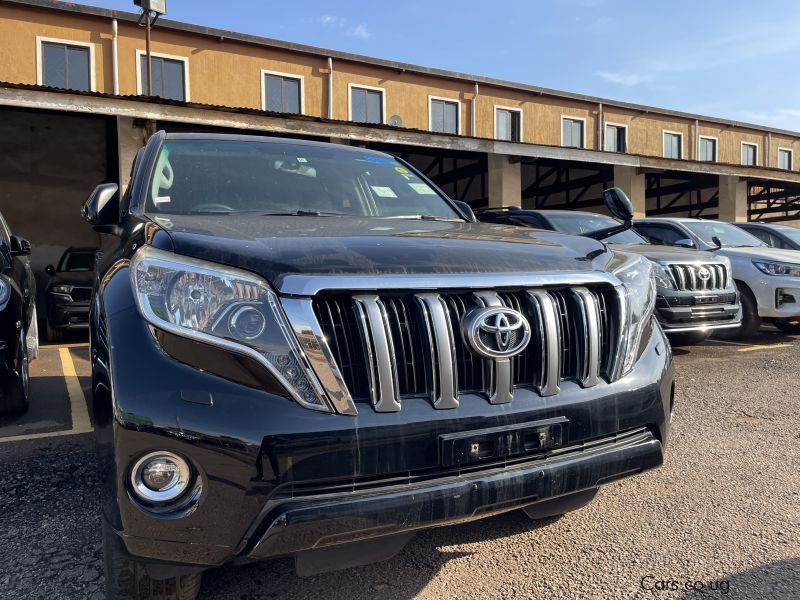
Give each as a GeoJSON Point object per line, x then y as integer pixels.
{"type": "Point", "coordinates": [730, 235]}
{"type": "Point", "coordinates": [224, 177]}
{"type": "Point", "coordinates": [580, 223]}
{"type": "Point", "coordinates": [76, 261]}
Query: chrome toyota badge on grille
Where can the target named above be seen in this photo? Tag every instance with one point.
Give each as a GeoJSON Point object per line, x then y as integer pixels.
{"type": "Point", "coordinates": [496, 332]}
{"type": "Point", "coordinates": [703, 274]}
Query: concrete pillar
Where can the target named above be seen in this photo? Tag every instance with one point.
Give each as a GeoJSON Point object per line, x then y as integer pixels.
{"type": "Point", "coordinates": [630, 181]}
{"type": "Point", "coordinates": [732, 199]}
{"type": "Point", "coordinates": [130, 138]}
{"type": "Point", "coordinates": [505, 181]}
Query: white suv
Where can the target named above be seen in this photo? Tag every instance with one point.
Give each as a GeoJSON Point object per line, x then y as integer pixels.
{"type": "Point", "coordinates": [768, 279]}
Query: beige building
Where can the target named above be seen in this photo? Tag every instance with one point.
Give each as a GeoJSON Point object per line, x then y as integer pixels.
{"type": "Point", "coordinates": [74, 109]}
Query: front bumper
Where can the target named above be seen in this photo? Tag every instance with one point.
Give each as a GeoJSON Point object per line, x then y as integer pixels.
{"type": "Point", "coordinates": [63, 313]}
{"type": "Point", "coordinates": [682, 311]}
{"type": "Point", "coordinates": [279, 479]}
{"type": "Point", "coordinates": [777, 297]}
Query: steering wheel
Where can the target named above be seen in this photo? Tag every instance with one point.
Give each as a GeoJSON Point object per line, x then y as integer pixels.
{"type": "Point", "coordinates": [213, 207]}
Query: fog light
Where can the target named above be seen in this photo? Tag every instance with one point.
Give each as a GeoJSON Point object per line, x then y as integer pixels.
{"type": "Point", "coordinates": [160, 477]}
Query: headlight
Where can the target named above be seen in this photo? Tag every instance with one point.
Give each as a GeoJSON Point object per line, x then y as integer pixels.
{"type": "Point", "coordinates": [663, 278]}
{"type": "Point", "coordinates": [777, 268]}
{"type": "Point", "coordinates": [226, 307]}
{"type": "Point", "coordinates": [5, 291]}
{"type": "Point", "coordinates": [62, 289]}
{"type": "Point", "coordinates": [638, 280]}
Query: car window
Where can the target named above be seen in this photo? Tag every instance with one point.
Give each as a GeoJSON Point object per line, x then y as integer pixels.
{"type": "Point", "coordinates": [579, 223]}
{"type": "Point", "coordinates": [224, 176]}
{"type": "Point", "coordinates": [729, 235]}
{"type": "Point", "coordinates": [663, 235]}
{"type": "Point", "coordinates": [76, 261]}
{"type": "Point", "coordinates": [770, 239]}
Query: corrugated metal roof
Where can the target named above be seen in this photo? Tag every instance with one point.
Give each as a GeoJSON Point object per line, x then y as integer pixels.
{"type": "Point", "coordinates": [222, 34]}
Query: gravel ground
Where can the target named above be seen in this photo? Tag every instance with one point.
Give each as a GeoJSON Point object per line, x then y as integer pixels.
{"type": "Point", "coordinates": [723, 512]}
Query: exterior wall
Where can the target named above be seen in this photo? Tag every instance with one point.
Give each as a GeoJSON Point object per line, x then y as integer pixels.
{"type": "Point", "coordinates": [227, 72]}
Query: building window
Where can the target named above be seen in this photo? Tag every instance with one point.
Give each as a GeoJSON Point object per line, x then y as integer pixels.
{"type": "Point", "coordinates": [572, 132]}
{"type": "Point", "coordinates": [282, 93]}
{"type": "Point", "coordinates": [508, 124]}
{"type": "Point", "coordinates": [707, 149]}
{"type": "Point", "coordinates": [169, 76]}
{"type": "Point", "coordinates": [749, 154]}
{"type": "Point", "coordinates": [66, 65]}
{"type": "Point", "coordinates": [784, 159]}
{"type": "Point", "coordinates": [673, 145]}
{"type": "Point", "coordinates": [444, 115]}
{"type": "Point", "coordinates": [616, 138]}
{"type": "Point", "coordinates": [366, 105]}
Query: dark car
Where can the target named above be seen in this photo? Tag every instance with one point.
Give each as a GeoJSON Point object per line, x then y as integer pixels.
{"type": "Point", "coordinates": [696, 292]}
{"type": "Point", "coordinates": [19, 342]}
{"type": "Point", "coordinates": [69, 291]}
{"type": "Point", "coordinates": [774, 235]}
{"type": "Point", "coordinates": [308, 350]}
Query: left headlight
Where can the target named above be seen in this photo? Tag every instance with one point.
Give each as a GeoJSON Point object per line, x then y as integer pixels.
{"type": "Point", "coordinates": [662, 277]}
{"type": "Point", "coordinates": [5, 291]}
{"type": "Point", "coordinates": [638, 280]}
{"type": "Point", "coordinates": [225, 307]}
{"type": "Point", "coordinates": [62, 289]}
{"type": "Point", "coordinates": [777, 268]}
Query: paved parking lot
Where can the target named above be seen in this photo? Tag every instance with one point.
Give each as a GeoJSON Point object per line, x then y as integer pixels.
{"type": "Point", "coordinates": [723, 513]}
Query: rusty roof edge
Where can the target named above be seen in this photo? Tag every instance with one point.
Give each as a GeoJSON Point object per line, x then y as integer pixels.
{"type": "Point", "coordinates": [419, 69]}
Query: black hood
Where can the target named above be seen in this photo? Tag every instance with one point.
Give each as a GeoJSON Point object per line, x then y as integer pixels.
{"type": "Point", "coordinates": [79, 278]}
{"type": "Point", "coordinates": [277, 246]}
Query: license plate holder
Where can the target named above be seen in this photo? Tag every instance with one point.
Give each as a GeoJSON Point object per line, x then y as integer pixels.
{"type": "Point", "coordinates": [498, 443]}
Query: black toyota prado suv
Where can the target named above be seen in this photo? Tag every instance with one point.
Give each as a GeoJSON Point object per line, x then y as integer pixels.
{"type": "Point", "coordinates": [308, 350]}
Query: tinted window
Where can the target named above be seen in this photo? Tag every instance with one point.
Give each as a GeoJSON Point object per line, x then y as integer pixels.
{"type": "Point", "coordinates": [282, 94]}
{"type": "Point", "coordinates": [366, 106]}
{"type": "Point", "coordinates": [65, 66]}
{"type": "Point", "coordinates": [74, 261]}
{"type": "Point", "coordinates": [662, 234]}
{"type": "Point", "coordinates": [730, 235]}
{"type": "Point", "coordinates": [572, 133]}
{"type": "Point", "coordinates": [169, 80]}
{"type": "Point", "coordinates": [444, 116]}
{"type": "Point", "coordinates": [672, 145]}
{"type": "Point", "coordinates": [507, 124]}
{"type": "Point", "coordinates": [580, 223]}
{"type": "Point", "coordinates": [218, 176]}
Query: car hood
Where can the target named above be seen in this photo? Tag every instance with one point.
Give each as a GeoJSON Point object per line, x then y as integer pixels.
{"type": "Point", "coordinates": [81, 278]}
{"type": "Point", "coordinates": [761, 252]}
{"type": "Point", "coordinates": [275, 247]}
{"type": "Point", "coordinates": [666, 253]}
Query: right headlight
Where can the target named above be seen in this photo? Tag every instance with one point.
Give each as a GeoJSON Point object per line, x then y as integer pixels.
{"type": "Point", "coordinates": [225, 307]}
{"type": "Point", "coordinates": [663, 278]}
{"type": "Point", "coordinates": [777, 268]}
{"type": "Point", "coordinates": [638, 280]}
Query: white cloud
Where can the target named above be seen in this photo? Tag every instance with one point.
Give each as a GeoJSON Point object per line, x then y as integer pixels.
{"type": "Point", "coordinates": [360, 31]}
{"type": "Point", "coordinates": [332, 20]}
{"type": "Point", "coordinates": [629, 79]}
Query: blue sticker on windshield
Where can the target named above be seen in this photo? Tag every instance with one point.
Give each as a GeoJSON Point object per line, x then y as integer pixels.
{"type": "Point", "coordinates": [377, 159]}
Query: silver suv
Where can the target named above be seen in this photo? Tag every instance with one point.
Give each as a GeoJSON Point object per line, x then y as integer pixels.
{"type": "Point", "coordinates": [768, 279]}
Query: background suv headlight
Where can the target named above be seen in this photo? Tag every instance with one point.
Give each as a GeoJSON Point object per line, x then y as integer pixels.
{"type": "Point", "coordinates": [777, 268]}
{"type": "Point", "coordinates": [226, 307]}
{"type": "Point", "coordinates": [663, 278]}
{"type": "Point", "coordinates": [638, 280]}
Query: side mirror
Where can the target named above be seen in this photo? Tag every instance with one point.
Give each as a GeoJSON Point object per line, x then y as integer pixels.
{"type": "Point", "coordinates": [618, 204]}
{"type": "Point", "coordinates": [101, 209]}
{"type": "Point", "coordinates": [50, 270]}
{"type": "Point", "coordinates": [20, 246]}
{"type": "Point", "coordinates": [687, 243]}
{"type": "Point", "coordinates": [466, 210]}
{"type": "Point", "coordinates": [717, 241]}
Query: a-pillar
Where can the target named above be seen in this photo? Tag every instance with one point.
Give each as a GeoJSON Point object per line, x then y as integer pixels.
{"type": "Point", "coordinates": [505, 180]}
{"type": "Point", "coordinates": [631, 181]}
{"type": "Point", "coordinates": [732, 199]}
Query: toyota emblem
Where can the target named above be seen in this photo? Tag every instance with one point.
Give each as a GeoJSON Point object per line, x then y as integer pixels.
{"type": "Point", "coordinates": [703, 274]}
{"type": "Point", "coordinates": [496, 332]}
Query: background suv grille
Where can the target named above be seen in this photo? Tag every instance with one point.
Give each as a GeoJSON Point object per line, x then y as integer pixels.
{"type": "Point", "coordinates": [575, 331]}
{"type": "Point", "coordinates": [688, 277]}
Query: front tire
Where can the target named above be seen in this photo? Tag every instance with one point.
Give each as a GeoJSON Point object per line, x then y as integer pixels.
{"type": "Point", "coordinates": [16, 388]}
{"type": "Point", "coordinates": [751, 322]}
{"type": "Point", "coordinates": [687, 338]}
{"type": "Point", "coordinates": [127, 579]}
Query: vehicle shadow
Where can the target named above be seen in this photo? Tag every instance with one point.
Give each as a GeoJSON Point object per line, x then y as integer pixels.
{"type": "Point", "coordinates": [779, 579]}
{"type": "Point", "coordinates": [403, 576]}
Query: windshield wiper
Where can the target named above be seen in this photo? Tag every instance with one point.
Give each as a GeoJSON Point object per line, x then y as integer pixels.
{"type": "Point", "coordinates": [304, 213]}
{"type": "Point", "coordinates": [423, 218]}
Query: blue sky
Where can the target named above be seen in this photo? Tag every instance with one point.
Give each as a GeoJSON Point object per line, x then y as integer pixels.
{"type": "Point", "coordinates": [735, 60]}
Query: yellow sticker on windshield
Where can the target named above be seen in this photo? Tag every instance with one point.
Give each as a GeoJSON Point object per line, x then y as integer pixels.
{"type": "Point", "coordinates": [401, 170]}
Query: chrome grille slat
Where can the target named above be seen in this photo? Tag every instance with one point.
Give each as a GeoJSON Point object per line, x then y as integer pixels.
{"type": "Point", "coordinates": [686, 278]}
{"type": "Point", "coordinates": [589, 369]}
{"type": "Point", "coordinates": [377, 337]}
{"type": "Point", "coordinates": [500, 371]}
{"type": "Point", "coordinates": [549, 336]}
{"type": "Point", "coordinates": [443, 367]}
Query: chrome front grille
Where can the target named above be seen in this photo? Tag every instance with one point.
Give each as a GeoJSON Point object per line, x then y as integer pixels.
{"type": "Point", "coordinates": [698, 277]}
{"type": "Point", "coordinates": [388, 347]}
